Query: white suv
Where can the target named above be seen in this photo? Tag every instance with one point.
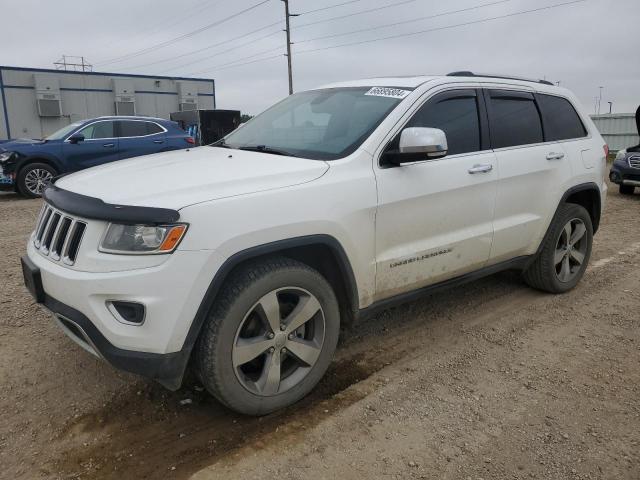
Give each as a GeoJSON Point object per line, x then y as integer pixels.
{"type": "Point", "coordinates": [242, 259]}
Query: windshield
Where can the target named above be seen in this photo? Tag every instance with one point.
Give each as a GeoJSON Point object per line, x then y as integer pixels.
{"type": "Point", "coordinates": [63, 132]}
{"type": "Point", "coordinates": [319, 124]}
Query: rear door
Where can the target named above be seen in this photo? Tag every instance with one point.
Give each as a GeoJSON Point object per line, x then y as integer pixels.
{"type": "Point", "coordinates": [100, 145]}
{"type": "Point", "coordinates": [532, 173]}
{"type": "Point", "coordinates": [434, 218]}
{"type": "Point", "coordinates": [140, 137]}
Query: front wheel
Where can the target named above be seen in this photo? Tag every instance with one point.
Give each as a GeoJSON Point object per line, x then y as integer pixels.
{"type": "Point", "coordinates": [565, 252]}
{"type": "Point", "coordinates": [270, 336]}
{"type": "Point", "coordinates": [33, 178]}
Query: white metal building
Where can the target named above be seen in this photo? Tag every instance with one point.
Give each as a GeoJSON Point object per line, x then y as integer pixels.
{"type": "Point", "coordinates": [36, 102]}
{"type": "Point", "coordinates": [619, 130]}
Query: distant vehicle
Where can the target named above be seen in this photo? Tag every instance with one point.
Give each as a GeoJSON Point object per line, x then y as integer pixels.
{"type": "Point", "coordinates": [625, 170]}
{"type": "Point", "coordinates": [26, 165]}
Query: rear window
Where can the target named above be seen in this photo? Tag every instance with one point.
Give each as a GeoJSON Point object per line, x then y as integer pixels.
{"type": "Point", "coordinates": [137, 128]}
{"type": "Point", "coordinates": [514, 119]}
{"type": "Point", "coordinates": [561, 121]}
{"type": "Point", "coordinates": [153, 128]}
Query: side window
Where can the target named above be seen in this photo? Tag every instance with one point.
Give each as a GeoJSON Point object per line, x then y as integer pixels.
{"type": "Point", "coordinates": [457, 117]}
{"type": "Point", "coordinates": [98, 130]}
{"type": "Point", "coordinates": [153, 128]}
{"type": "Point", "coordinates": [132, 128]}
{"type": "Point", "coordinates": [561, 122]}
{"type": "Point", "coordinates": [514, 119]}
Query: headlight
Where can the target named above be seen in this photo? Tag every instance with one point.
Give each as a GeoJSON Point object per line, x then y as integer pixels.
{"type": "Point", "coordinates": [621, 154]}
{"type": "Point", "coordinates": [4, 156]}
{"type": "Point", "coordinates": [142, 239]}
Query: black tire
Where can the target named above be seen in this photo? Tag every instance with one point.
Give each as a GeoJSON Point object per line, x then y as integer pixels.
{"type": "Point", "coordinates": [627, 189]}
{"type": "Point", "coordinates": [240, 297]}
{"type": "Point", "coordinates": [543, 274]}
{"type": "Point", "coordinates": [24, 184]}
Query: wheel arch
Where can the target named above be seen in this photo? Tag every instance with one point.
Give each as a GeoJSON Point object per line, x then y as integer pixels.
{"type": "Point", "coordinates": [586, 195]}
{"type": "Point", "coordinates": [25, 161]}
{"type": "Point", "coordinates": [322, 252]}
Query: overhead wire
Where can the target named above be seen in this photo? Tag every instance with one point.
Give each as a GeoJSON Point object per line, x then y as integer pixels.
{"type": "Point", "coordinates": [404, 22]}
{"type": "Point", "coordinates": [400, 35]}
{"type": "Point", "coordinates": [208, 47]}
{"type": "Point", "coordinates": [182, 37]}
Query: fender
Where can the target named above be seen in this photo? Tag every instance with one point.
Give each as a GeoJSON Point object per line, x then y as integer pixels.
{"type": "Point", "coordinates": [253, 252]}
{"type": "Point", "coordinates": [589, 186]}
{"type": "Point", "coordinates": [23, 160]}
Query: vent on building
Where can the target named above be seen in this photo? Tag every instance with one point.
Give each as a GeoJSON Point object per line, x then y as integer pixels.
{"type": "Point", "coordinates": [124, 94]}
{"type": "Point", "coordinates": [187, 96]}
{"type": "Point", "coordinates": [188, 105]}
{"type": "Point", "coordinates": [125, 108]}
{"type": "Point", "coordinates": [48, 96]}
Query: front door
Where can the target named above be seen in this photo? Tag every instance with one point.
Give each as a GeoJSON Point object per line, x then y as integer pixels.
{"type": "Point", "coordinates": [435, 217]}
{"type": "Point", "coordinates": [99, 146]}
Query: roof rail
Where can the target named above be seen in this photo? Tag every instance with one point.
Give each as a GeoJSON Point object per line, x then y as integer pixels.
{"type": "Point", "coordinates": [466, 73]}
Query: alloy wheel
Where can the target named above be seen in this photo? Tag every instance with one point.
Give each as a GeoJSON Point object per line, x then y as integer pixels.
{"type": "Point", "coordinates": [571, 249]}
{"type": "Point", "coordinates": [278, 341]}
{"type": "Point", "coordinates": [35, 180]}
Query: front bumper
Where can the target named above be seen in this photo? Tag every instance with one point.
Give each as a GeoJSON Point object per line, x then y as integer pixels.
{"type": "Point", "coordinates": [171, 293]}
{"type": "Point", "coordinates": [623, 174]}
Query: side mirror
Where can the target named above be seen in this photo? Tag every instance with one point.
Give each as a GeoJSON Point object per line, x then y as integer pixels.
{"type": "Point", "coordinates": [418, 143]}
{"type": "Point", "coordinates": [76, 137]}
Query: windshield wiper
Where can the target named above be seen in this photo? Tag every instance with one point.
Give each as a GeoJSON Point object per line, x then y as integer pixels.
{"type": "Point", "coordinates": [265, 149]}
{"type": "Point", "coordinates": [220, 143]}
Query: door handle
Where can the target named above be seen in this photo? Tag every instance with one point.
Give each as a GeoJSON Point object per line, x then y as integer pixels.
{"type": "Point", "coordinates": [480, 169]}
{"type": "Point", "coordinates": [555, 156]}
{"type": "Point", "coordinates": [109, 145]}
{"type": "Point", "coordinates": [158, 141]}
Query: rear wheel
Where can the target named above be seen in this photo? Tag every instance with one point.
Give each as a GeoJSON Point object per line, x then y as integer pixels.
{"type": "Point", "coordinates": [565, 252]}
{"type": "Point", "coordinates": [270, 336]}
{"type": "Point", "coordinates": [627, 189]}
{"type": "Point", "coordinates": [33, 178]}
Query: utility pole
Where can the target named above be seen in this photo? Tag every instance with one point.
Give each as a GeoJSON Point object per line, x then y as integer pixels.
{"type": "Point", "coordinates": [288, 30]}
{"type": "Point", "coordinates": [600, 99]}
{"type": "Point", "coordinates": [610, 107]}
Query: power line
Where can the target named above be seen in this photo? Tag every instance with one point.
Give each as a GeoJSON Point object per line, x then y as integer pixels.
{"type": "Point", "coordinates": [182, 37]}
{"type": "Point", "coordinates": [549, 7]}
{"type": "Point", "coordinates": [247, 63]}
{"type": "Point", "coordinates": [403, 2]}
{"type": "Point", "coordinates": [224, 51]}
{"type": "Point", "coordinates": [451, 12]}
{"type": "Point", "coordinates": [329, 7]}
{"type": "Point", "coordinates": [217, 67]}
{"type": "Point", "coordinates": [208, 47]}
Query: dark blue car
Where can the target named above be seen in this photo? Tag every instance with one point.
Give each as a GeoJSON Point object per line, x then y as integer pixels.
{"type": "Point", "coordinates": [27, 165]}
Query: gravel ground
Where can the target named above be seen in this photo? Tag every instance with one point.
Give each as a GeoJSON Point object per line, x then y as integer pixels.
{"type": "Point", "coordinates": [490, 380]}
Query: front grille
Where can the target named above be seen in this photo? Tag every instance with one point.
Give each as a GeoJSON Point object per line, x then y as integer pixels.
{"type": "Point", "coordinates": [58, 235]}
{"type": "Point", "coordinates": [634, 161]}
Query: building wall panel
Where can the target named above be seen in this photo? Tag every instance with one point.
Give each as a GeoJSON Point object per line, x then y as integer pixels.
{"type": "Point", "coordinates": [87, 95]}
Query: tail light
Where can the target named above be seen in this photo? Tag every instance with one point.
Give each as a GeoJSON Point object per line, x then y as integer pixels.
{"type": "Point", "coordinates": [606, 159]}
{"type": "Point", "coordinates": [190, 140]}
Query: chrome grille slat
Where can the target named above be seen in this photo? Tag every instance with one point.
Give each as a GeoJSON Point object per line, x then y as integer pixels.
{"type": "Point", "coordinates": [58, 235]}
{"type": "Point", "coordinates": [634, 161]}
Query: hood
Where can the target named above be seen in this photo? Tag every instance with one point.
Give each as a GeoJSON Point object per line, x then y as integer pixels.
{"type": "Point", "coordinates": [20, 143]}
{"type": "Point", "coordinates": [185, 177]}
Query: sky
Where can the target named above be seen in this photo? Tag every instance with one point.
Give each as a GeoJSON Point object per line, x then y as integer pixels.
{"type": "Point", "coordinates": [241, 44]}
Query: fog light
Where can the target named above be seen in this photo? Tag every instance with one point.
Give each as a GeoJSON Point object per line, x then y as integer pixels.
{"type": "Point", "coordinates": [130, 313]}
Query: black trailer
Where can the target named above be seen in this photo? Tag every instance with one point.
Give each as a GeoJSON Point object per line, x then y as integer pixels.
{"type": "Point", "coordinates": [207, 126]}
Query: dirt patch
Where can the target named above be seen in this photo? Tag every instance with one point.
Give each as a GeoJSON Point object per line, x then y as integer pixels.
{"type": "Point", "coordinates": [489, 380]}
